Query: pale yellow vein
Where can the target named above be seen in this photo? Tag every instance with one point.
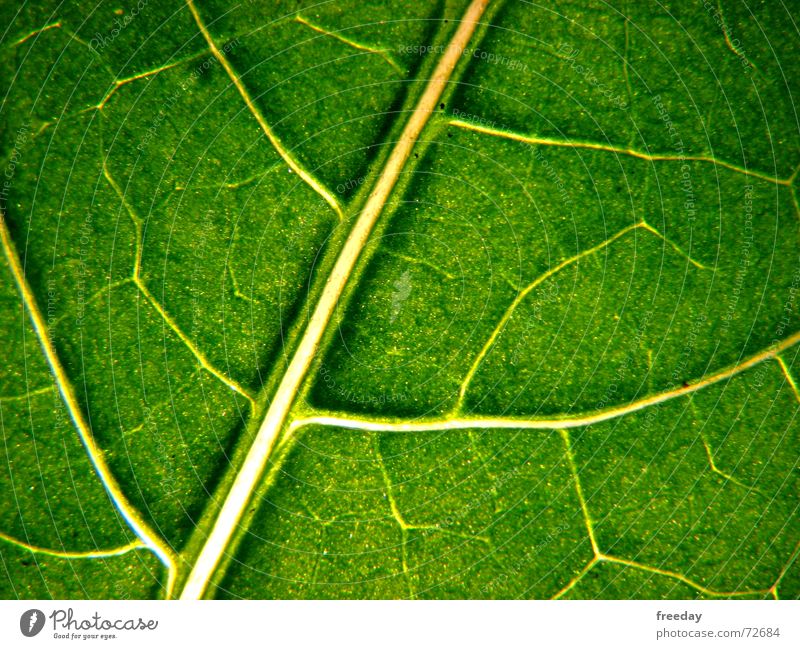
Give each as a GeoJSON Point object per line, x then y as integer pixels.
{"type": "Point", "coordinates": [792, 558]}
{"type": "Point", "coordinates": [518, 300]}
{"type": "Point", "coordinates": [168, 319]}
{"type": "Point", "coordinates": [398, 517]}
{"type": "Point", "coordinates": [597, 146]}
{"type": "Point", "coordinates": [26, 396]}
{"type": "Point", "coordinates": [35, 32]}
{"type": "Point", "coordinates": [682, 578]}
{"type": "Point", "coordinates": [420, 262]}
{"type": "Point", "coordinates": [544, 423]}
{"type": "Point", "coordinates": [65, 554]}
{"type": "Point", "coordinates": [294, 164]}
{"type": "Point", "coordinates": [265, 440]}
{"type": "Point", "coordinates": [788, 375]}
{"type": "Point", "coordinates": [670, 574]}
{"type": "Point", "coordinates": [577, 578]}
{"type": "Point", "coordinates": [726, 476]}
{"type": "Point", "coordinates": [384, 54]}
{"type": "Point", "coordinates": [137, 523]}
{"type": "Point", "coordinates": [675, 247]}
{"type": "Point", "coordinates": [579, 491]}
{"type": "Point", "coordinates": [549, 273]}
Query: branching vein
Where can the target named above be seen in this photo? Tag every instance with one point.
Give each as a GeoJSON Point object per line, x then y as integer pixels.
{"type": "Point", "coordinates": [137, 523]}
{"type": "Point", "coordinates": [682, 578]}
{"type": "Point", "coordinates": [35, 33]}
{"type": "Point", "coordinates": [545, 276]}
{"type": "Point", "coordinates": [364, 48]}
{"type": "Point", "coordinates": [600, 556]}
{"type": "Point", "coordinates": [726, 476]}
{"type": "Point", "coordinates": [573, 467]}
{"type": "Point", "coordinates": [788, 376]}
{"type": "Point", "coordinates": [544, 423]}
{"type": "Point", "coordinates": [398, 517]}
{"type": "Point", "coordinates": [168, 319]}
{"type": "Point", "coordinates": [597, 146]}
{"type": "Point", "coordinates": [65, 554]}
{"type": "Point", "coordinates": [294, 164]}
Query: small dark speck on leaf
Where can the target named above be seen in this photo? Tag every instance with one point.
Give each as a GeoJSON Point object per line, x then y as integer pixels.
{"type": "Point", "coordinates": [441, 105]}
{"type": "Point", "coordinates": [416, 155]}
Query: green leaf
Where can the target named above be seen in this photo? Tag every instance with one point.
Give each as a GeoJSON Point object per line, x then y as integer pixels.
{"type": "Point", "coordinates": [461, 299]}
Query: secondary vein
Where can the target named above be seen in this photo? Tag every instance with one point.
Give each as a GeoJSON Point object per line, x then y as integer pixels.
{"type": "Point", "coordinates": [140, 527]}
{"type": "Point", "coordinates": [554, 422]}
{"type": "Point", "coordinates": [262, 122]}
{"type": "Point", "coordinates": [619, 150]}
{"type": "Point", "coordinates": [67, 554]}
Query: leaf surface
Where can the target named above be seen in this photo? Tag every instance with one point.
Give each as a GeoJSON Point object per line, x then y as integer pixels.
{"type": "Point", "coordinates": [400, 300]}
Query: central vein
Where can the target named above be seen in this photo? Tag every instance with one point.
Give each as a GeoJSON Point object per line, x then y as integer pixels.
{"type": "Point", "coordinates": [253, 467]}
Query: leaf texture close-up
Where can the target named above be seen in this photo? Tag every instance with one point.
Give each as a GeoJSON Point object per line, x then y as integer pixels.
{"type": "Point", "coordinates": [446, 299]}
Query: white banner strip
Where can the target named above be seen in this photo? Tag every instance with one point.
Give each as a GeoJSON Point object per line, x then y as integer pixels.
{"type": "Point", "coordinates": [399, 624]}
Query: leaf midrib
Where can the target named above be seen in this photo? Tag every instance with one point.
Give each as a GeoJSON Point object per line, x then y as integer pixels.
{"type": "Point", "coordinates": [252, 469]}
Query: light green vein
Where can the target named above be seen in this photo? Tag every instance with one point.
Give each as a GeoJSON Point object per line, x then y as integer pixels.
{"type": "Point", "coordinates": [294, 164]}
{"type": "Point", "coordinates": [351, 43]}
{"type": "Point", "coordinates": [65, 554]}
{"type": "Point", "coordinates": [166, 317]}
{"type": "Point", "coordinates": [137, 523]}
{"type": "Point", "coordinates": [596, 146]}
{"type": "Point", "coordinates": [554, 422]}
